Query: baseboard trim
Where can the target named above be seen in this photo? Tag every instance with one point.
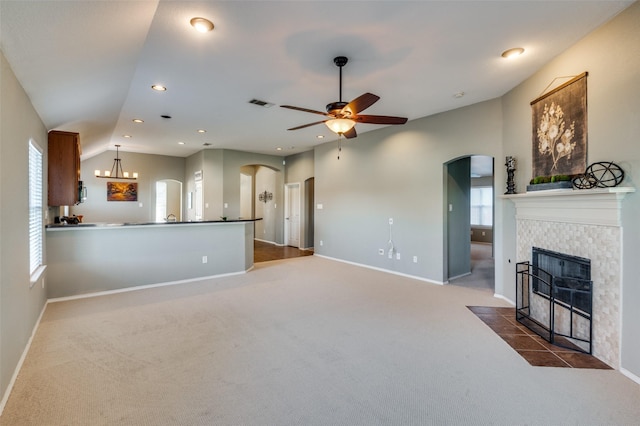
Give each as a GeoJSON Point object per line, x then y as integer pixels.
{"type": "Point", "coordinates": [269, 242]}
{"type": "Point", "coordinates": [415, 277]}
{"type": "Point", "coordinates": [630, 375]}
{"type": "Point", "coordinates": [506, 299]}
{"type": "Point", "coordinates": [143, 287]}
{"type": "Point", "coordinates": [14, 377]}
{"type": "Point", "coordinates": [459, 276]}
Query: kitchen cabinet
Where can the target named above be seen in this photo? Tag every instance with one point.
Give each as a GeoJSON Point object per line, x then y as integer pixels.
{"type": "Point", "coordinates": [64, 168]}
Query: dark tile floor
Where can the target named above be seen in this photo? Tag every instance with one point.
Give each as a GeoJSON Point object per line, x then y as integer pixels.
{"type": "Point", "coordinates": [533, 348]}
{"type": "Point", "coordinates": [264, 252]}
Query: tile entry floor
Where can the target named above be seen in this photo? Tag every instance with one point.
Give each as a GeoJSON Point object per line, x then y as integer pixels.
{"type": "Point", "coordinates": [533, 348]}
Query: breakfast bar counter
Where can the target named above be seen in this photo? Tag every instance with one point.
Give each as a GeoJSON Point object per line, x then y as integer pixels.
{"type": "Point", "coordinates": [97, 257]}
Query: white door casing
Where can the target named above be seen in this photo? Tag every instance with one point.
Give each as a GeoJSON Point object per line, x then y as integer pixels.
{"type": "Point", "coordinates": [292, 214]}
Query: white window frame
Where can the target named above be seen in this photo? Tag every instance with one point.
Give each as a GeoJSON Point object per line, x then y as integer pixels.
{"type": "Point", "coordinates": [481, 207]}
{"type": "Point", "coordinates": [36, 212]}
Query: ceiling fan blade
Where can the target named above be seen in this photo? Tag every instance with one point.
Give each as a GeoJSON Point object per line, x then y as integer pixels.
{"type": "Point", "coordinates": [379, 119]}
{"type": "Point", "coordinates": [307, 125]}
{"type": "Point", "coordinates": [360, 103]}
{"type": "Point", "coordinates": [351, 133]}
{"type": "Point", "coordinates": [305, 110]}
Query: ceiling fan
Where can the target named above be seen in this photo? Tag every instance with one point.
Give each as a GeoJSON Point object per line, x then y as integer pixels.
{"type": "Point", "coordinates": [342, 116]}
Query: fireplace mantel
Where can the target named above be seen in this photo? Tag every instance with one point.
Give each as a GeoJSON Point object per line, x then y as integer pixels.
{"type": "Point", "coordinates": [584, 206]}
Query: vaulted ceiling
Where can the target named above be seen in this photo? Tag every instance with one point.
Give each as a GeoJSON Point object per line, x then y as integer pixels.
{"type": "Point", "coordinates": [88, 66]}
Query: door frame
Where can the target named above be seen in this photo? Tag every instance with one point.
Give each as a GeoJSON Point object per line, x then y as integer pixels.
{"type": "Point", "coordinates": [287, 205]}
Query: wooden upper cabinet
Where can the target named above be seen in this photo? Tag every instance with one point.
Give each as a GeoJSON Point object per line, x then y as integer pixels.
{"type": "Point", "coordinates": [64, 168]}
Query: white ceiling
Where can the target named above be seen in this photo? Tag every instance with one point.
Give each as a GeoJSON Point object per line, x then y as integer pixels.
{"type": "Point", "coordinates": [87, 66]}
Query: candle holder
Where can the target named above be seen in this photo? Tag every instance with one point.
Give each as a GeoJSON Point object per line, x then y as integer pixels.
{"type": "Point", "coordinates": [511, 168]}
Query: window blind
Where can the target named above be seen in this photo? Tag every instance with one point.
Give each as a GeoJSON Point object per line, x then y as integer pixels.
{"type": "Point", "coordinates": [36, 229]}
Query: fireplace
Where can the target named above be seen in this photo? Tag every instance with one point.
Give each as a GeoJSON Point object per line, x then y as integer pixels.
{"type": "Point", "coordinates": [571, 277]}
{"type": "Point", "coordinates": [584, 224]}
{"type": "Point", "coordinates": [554, 298]}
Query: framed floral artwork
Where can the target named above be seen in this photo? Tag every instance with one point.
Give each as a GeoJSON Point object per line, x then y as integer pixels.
{"type": "Point", "coordinates": [559, 131]}
{"type": "Point", "coordinates": [122, 191]}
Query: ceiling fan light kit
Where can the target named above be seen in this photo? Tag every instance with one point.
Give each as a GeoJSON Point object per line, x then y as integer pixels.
{"type": "Point", "coordinates": [340, 125]}
{"type": "Point", "coordinates": [342, 116]}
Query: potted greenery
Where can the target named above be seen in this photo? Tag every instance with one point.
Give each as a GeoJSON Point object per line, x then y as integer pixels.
{"type": "Point", "coordinates": [540, 183]}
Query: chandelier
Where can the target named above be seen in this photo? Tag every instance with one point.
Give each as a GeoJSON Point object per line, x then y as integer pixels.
{"type": "Point", "coordinates": [116, 170]}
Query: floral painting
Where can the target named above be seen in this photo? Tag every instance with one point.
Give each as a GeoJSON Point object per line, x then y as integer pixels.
{"type": "Point", "coordinates": [122, 191]}
{"type": "Point", "coordinates": [560, 130]}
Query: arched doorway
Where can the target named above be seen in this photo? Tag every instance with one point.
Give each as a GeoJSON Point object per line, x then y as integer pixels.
{"type": "Point", "coordinates": [168, 195]}
{"type": "Point", "coordinates": [469, 212]}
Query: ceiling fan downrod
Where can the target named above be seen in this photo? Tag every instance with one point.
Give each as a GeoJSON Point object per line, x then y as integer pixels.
{"type": "Point", "coordinates": [340, 61]}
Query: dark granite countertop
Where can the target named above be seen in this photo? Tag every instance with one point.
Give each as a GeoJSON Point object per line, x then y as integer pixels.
{"type": "Point", "coordinates": [113, 225]}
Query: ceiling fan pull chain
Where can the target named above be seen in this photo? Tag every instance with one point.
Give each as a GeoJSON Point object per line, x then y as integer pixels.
{"type": "Point", "coordinates": [339, 145]}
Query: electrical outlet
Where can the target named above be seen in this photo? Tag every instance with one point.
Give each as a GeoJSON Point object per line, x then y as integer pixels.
{"type": "Point", "coordinates": [204, 259]}
{"type": "Point", "coordinates": [390, 254]}
{"type": "Point", "coordinates": [381, 252]}
{"type": "Point", "coordinates": [390, 221]}
{"type": "Point", "coordinates": [483, 234]}
{"type": "Point", "coordinates": [397, 256]}
{"type": "Point", "coordinates": [415, 259]}
{"type": "Point", "coordinates": [321, 242]}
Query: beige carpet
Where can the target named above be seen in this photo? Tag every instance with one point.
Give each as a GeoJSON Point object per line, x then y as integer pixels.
{"type": "Point", "coordinates": [305, 341]}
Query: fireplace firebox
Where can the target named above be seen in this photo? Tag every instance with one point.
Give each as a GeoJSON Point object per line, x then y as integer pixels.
{"type": "Point", "coordinates": [554, 295]}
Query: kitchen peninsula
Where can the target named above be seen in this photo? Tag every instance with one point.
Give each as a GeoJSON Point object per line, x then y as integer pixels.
{"type": "Point", "coordinates": [90, 258]}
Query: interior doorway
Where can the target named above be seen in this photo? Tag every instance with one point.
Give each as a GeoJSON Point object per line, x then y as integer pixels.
{"type": "Point", "coordinates": [469, 214]}
{"type": "Point", "coordinates": [168, 206]}
{"type": "Point", "coordinates": [309, 213]}
{"type": "Point", "coordinates": [292, 215]}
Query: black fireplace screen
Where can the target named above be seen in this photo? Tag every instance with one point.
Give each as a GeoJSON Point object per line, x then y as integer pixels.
{"type": "Point", "coordinates": [554, 298]}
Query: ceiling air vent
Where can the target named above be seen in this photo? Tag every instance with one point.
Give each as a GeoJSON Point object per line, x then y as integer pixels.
{"type": "Point", "coordinates": [261, 103]}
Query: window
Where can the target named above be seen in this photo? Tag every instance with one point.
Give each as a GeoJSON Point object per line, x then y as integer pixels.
{"type": "Point", "coordinates": [36, 229]}
{"type": "Point", "coordinates": [482, 206]}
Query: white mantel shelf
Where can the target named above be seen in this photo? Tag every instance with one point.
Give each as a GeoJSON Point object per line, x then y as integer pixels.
{"type": "Point", "coordinates": [585, 206]}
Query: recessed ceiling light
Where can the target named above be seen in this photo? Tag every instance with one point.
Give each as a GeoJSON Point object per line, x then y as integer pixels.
{"type": "Point", "coordinates": [320, 136]}
{"type": "Point", "coordinates": [202, 131]}
{"type": "Point", "coordinates": [458, 94]}
{"type": "Point", "coordinates": [180, 143]}
{"type": "Point", "coordinates": [126, 136]}
{"type": "Point", "coordinates": [202, 25]}
{"type": "Point", "coordinates": [159, 88]}
{"type": "Point", "coordinates": [279, 148]}
{"type": "Point", "coordinates": [138, 120]}
{"type": "Point", "coordinates": [513, 53]}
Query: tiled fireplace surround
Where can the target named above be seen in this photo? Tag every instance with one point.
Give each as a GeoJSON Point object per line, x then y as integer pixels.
{"type": "Point", "coordinates": [583, 223]}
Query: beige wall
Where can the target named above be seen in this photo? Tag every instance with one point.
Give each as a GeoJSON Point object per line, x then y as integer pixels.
{"type": "Point", "coordinates": [610, 56]}
{"type": "Point", "coordinates": [150, 168]}
{"type": "Point", "coordinates": [20, 304]}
